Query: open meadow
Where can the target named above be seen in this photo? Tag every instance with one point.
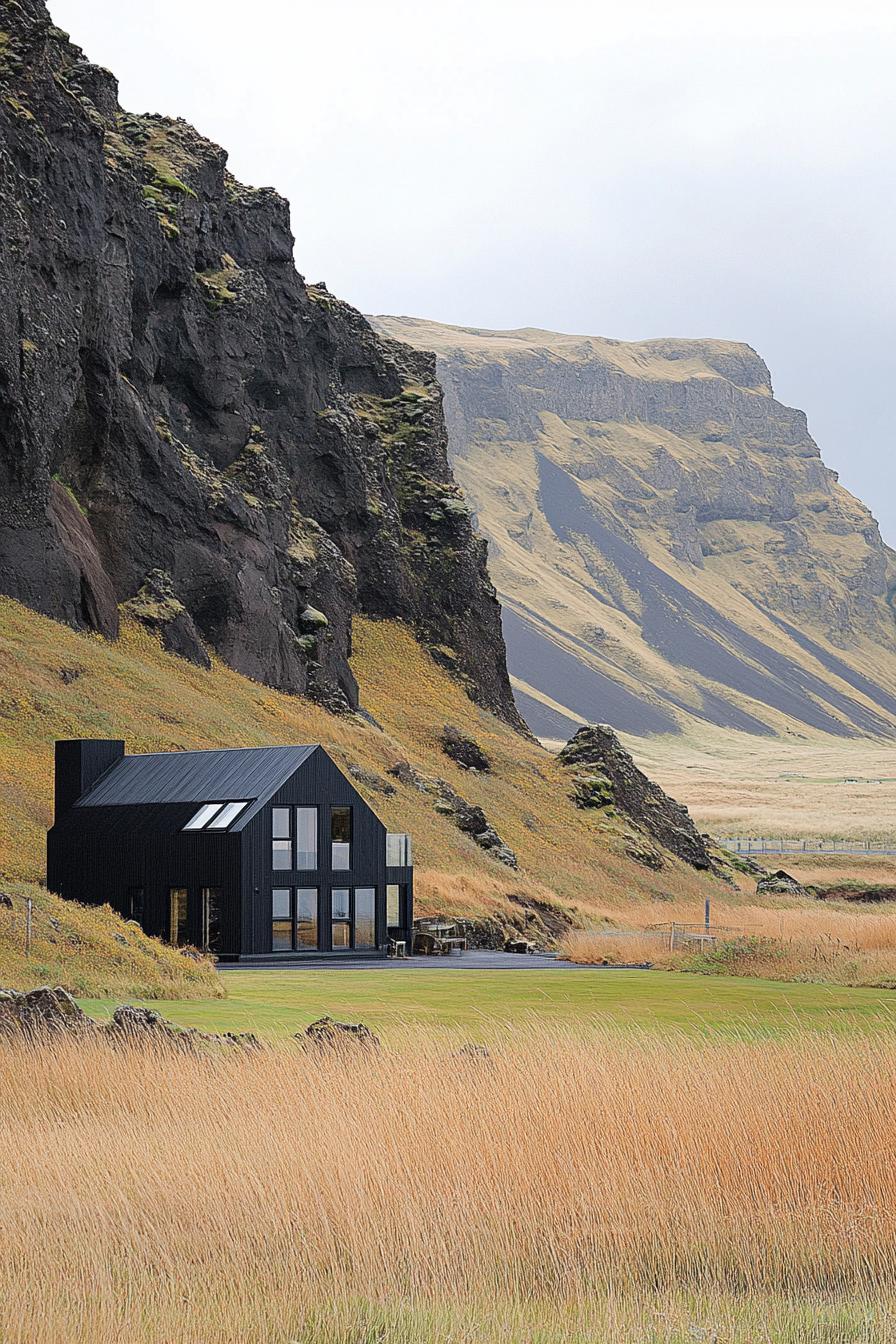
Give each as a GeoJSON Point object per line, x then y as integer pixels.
{"type": "Point", "coordinates": [807, 786]}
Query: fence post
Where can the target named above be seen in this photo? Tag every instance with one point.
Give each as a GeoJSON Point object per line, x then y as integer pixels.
{"type": "Point", "coordinates": [706, 915]}
{"type": "Point", "coordinates": [672, 937]}
{"type": "Point", "coordinates": [29, 906]}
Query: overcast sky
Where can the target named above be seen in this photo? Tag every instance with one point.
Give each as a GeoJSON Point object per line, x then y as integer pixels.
{"type": "Point", "coordinates": [631, 170]}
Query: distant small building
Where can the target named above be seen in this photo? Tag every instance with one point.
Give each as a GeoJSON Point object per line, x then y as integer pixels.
{"type": "Point", "coordinates": [252, 853]}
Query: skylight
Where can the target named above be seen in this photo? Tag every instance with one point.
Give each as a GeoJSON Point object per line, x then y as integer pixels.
{"type": "Point", "coordinates": [215, 816]}
{"type": "Point", "coordinates": [205, 814]}
{"type": "Point", "coordinates": [228, 813]}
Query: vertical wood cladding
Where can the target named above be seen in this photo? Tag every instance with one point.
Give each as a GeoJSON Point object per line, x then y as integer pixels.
{"type": "Point", "coordinates": [102, 854]}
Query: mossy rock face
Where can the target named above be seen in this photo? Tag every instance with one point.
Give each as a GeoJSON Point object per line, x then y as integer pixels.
{"type": "Point", "coordinates": [158, 607]}
{"type": "Point", "coordinates": [593, 791]}
{"type": "Point", "coordinates": [251, 436]}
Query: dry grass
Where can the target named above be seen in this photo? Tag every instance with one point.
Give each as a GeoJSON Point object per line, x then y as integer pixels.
{"type": "Point", "coordinates": [153, 1199]}
{"type": "Point", "coordinates": [810, 786]}
{"type": "Point", "coordinates": [59, 683]}
{"type": "Point", "coordinates": [849, 946]}
{"type": "Point", "coordinates": [92, 952]}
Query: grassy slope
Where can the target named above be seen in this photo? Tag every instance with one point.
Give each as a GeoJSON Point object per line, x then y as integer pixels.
{"type": "Point", "coordinates": [91, 951]}
{"type": "Point", "coordinates": [480, 1004]}
{"type": "Point", "coordinates": [60, 683]}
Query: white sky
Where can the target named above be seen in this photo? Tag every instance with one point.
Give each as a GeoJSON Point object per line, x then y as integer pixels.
{"type": "Point", "coordinates": [629, 170]}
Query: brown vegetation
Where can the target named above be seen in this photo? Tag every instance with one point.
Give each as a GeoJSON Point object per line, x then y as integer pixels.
{"type": "Point", "coordinates": [58, 683]}
{"type": "Point", "coordinates": [90, 951]}
{"type": "Point", "coordinates": [850, 946]}
{"type": "Point", "coordinates": [292, 1194]}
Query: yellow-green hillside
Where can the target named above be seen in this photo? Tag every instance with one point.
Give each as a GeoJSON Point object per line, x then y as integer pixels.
{"type": "Point", "coordinates": [92, 952]}
{"type": "Point", "coordinates": [61, 683]}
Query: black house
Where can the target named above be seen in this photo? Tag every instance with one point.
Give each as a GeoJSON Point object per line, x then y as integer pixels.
{"type": "Point", "coordinates": [257, 852]}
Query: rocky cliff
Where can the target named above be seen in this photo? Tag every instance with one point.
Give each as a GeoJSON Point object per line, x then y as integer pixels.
{"type": "Point", "coordinates": [670, 548]}
{"type": "Point", "coordinates": [189, 427]}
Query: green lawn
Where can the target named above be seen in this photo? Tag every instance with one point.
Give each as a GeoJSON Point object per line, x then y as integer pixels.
{"type": "Point", "coordinates": [479, 1003]}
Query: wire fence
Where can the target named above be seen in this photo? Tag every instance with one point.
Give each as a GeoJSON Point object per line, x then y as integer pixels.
{"type": "Point", "coordinates": [784, 844]}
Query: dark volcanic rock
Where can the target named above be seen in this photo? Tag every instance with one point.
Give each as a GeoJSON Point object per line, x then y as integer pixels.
{"type": "Point", "coordinates": [471, 819]}
{"type": "Point", "coordinates": [175, 398]}
{"type": "Point", "coordinates": [157, 607]}
{"type": "Point", "coordinates": [38, 1012]}
{"type": "Point", "coordinates": [596, 753]}
{"type": "Point", "coordinates": [464, 750]}
{"type": "Point", "coordinates": [779, 884]}
{"type": "Point", "coordinates": [328, 1034]}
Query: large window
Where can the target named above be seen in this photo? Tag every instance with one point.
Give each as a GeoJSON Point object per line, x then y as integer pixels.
{"type": "Point", "coordinates": [340, 913]}
{"type": "Point", "coordinates": [341, 837]}
{"type": "Point", "coordinates": [306, 838]}
{"type": "Point", "coordinates": [281, 908]}
{"type": "Point", "coordinates": [178, 916]}
{"type": "Point", "coordinates": [294, 919]}
{"type": "Point", "coordinates": [281, 855]}
{"type": "Point", "coordinates": [306, 917]}
{"type": "Point", "coordinates": [365, 916]}
{"type": "Point", "coordinates": [210, 898]}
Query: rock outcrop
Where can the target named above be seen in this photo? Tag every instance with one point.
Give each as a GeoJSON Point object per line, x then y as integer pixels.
{"type": "Point", "coordinates": [668, 544]}
{"type": "Point", "coordinates": [188, 427]}
{"type": "Point", "coordinates": [779, 884]}
{"type": "Point", "coordinates": [595, 753]}
{"type": "Point", "coordinates": [463, 750]}
{"type": "Point", "coordinates": [467, 817]}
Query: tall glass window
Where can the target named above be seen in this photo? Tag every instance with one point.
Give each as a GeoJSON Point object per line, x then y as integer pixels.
{"type": "Point", "coordinates": [365, 916]}
{"type": "Point", "coordinates": [341, 837]}
{"type": "Point", "coordinates": [178, 921]}
{"type": "Point", "coordinates": [306, 917]}
{"type": "Point", "coordinates": [306, 838]}
{"type": "Point", "coordinates": [281, 856]}
{"type": "Point", "coordinates": [281, 910]}
{"type": "Point", "coordinates": [393, 905]}
{"type": "Point", "coordinates": [340, 898]}
{"type": "Point", "coordinates": [211, 919]}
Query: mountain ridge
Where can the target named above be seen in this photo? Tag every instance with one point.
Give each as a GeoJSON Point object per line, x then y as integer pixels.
{"type": "Point", "coordinates": [665, 538]}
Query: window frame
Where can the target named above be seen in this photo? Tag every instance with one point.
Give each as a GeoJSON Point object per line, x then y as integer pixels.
{"type": "Point", "coordinates": [288, 918]}
{"type": "Point", "coordinates": [282, 844]}
{"type": "Point", "coordinates": [315, 830]}
{"type": "Point", "coordinates": [347, 810]}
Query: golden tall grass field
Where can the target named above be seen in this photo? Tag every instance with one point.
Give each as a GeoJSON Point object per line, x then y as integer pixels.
{"type": "Point", "coordinates": [798, 941]}
{"type": "Point", "coordinates": [636, 1188]}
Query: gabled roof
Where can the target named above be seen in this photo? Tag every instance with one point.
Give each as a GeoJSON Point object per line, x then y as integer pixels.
{"type": "Point", "coordinates": [251, 773]}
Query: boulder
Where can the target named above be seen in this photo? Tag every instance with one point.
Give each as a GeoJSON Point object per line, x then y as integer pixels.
{"type": "Point", "coordinates": [779, 884]}
{"type": "Point", "coordinates": [157, 607]}
{"type": "Point", "coordinates": [37, 1012]}
{"type": "Point", "coordinates": [329, 1034]}
{"type": "Point", "coordinates": [464, 750]}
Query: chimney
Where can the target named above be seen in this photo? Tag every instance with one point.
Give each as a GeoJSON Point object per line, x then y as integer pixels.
{"type": "Point", "coordinates": [79, 765]}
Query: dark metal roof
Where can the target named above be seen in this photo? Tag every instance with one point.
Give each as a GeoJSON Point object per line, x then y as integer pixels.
{"type": "Point", "coordinates": [253, 773]}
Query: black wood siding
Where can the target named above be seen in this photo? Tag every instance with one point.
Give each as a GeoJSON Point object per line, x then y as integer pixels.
{"type": "Point", "coordinates": [96, 854]}
{"type": "Point", "coordinates": [317, 783]}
